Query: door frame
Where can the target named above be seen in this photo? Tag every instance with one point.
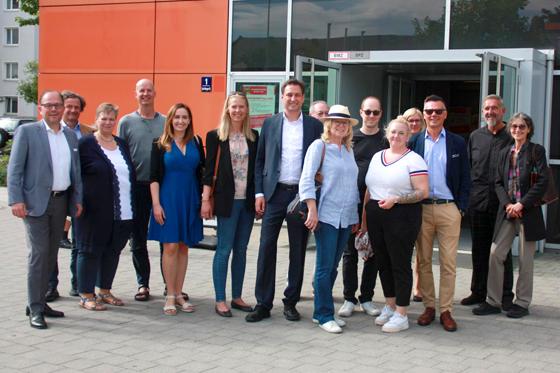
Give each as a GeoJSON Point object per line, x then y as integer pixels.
{"type": "Point", "coordinates": [298, 70]}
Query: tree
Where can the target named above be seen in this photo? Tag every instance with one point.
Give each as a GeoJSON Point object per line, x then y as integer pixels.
{"type": "Point", "coordinates": [30, 7]}
{"type": "Point", "coordinates": [27, 88]}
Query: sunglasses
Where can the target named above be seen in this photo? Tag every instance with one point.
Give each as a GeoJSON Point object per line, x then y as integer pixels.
{"type": "Point", "coordinates": [432, 111]}
{"type": "Point", "coordinates": [521, 127]}
{"type": "Point", "coordinates": [370, 112]}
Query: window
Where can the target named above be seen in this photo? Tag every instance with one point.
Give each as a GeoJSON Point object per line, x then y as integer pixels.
{"type": "Point", "coordinates": [12, 4]}
{"type": "Point", "coordinates": [11, 105]}
{"type": "Point", "coordinates": [12, 36]}
{"type": "Point", "coordinates": [259, 35]}
{"type": "Point", "coordinates": [11, 71]}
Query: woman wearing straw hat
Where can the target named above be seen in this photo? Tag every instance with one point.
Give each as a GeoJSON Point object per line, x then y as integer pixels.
{"type": "Point", "coordinates": [336, 214]}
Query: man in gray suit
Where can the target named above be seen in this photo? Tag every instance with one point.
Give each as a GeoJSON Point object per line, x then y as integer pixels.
{"type": "Point", "coordinates": [44, 186]}
{"type": "Point", "coordinates": [283, 142]}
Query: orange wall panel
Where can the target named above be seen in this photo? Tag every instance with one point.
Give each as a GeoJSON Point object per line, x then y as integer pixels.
{"type": "Point", "coordinates": [45, 3]}
{"type": "Point", "coordinates": [97, 88]}
{"type": "Point", "coordinates": [191, 36]}
{"type": "Point", "coordinates": [206, 106]}
{"type": "Point", "coordinates": [97, 39]}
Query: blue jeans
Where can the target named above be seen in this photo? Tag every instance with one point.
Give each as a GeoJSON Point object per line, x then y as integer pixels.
{"type": "Point", "coordinates": [233, 234]}
{"type": "Point", "coordinates": [330, 243]}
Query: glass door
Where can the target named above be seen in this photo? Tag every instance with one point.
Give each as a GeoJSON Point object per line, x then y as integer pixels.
{"type": "Point", "coordinates": [400, 96]}
{"type": "Point", "coordinates": [499, 76]}
{"type": "Point", "coordinates": [322, 79]}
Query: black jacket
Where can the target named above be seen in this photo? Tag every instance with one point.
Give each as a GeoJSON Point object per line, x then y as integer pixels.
{"type": "Point", "coordinates": [225, 187]}
{"type": "Point", "coordinates": [530, 156]}
{"type": "Point", "coordinates": [100, 185]}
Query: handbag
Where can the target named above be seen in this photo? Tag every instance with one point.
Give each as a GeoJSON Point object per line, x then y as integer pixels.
{"type": "Point", "coordinates": [299, 209]}
{"type": "Point", "coordinates": [550, 194]}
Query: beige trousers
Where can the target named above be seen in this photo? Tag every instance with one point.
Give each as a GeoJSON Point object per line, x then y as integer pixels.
{"type": "Point", "coordinates": [498, 253]}
{"type": "Point", "coordinates": [444, 221]}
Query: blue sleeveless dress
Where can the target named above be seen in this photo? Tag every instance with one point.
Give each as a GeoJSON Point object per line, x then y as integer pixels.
{"type": "Point", "coordinates": [179, 196]}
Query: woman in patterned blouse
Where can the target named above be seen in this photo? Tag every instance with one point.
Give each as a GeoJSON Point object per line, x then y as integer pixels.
{"type": "Point", "coordinates": [229, 194]}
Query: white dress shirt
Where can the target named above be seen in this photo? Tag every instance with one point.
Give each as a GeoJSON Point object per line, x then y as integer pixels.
{"type": "Point", "coordinates": [292, 148]}
{"type": "Point", "coordinates": [61, 159]}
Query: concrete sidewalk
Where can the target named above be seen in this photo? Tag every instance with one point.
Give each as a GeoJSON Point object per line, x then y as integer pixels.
{"type": "Point", "coordinates": [138, 337]}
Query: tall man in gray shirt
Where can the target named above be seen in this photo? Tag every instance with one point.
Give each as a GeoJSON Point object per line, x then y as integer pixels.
{"type": "Point", "coordinates": [139, 129]}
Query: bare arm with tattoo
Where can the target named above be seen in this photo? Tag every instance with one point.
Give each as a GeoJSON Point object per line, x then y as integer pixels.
{"type": "Point", "coordinates": [420, 183]}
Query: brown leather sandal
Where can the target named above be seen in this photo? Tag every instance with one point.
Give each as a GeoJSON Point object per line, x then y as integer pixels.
{"type": "Point", "coordinates": [91, 304]}
{"type": "Point", "coordinates": [110, 299]}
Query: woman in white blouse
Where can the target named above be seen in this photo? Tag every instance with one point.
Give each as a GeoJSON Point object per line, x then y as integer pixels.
{"type": "Point", "coordinates": [397, 180]}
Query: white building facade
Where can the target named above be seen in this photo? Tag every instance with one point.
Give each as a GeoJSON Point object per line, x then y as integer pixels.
{"type": "Point", "coordinates": [19, 46]}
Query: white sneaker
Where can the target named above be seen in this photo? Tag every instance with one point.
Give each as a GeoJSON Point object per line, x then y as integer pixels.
{"type": "Point", "coordinates": [370, 309]}
{"type": "Point", "coordinates": [347, 309]}
{"type": "Point", "coordinates": [386, 314]}
{"type": "Point", "coordinates": [396, 324]}
{"type": "Point", "coordinates": [331, 327]}
{"type": "Point", "coordinates": [340, 322]}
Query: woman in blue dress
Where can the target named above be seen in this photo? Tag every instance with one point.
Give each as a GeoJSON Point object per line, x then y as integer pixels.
{"type": "Point", "coordinates": [176, 166]}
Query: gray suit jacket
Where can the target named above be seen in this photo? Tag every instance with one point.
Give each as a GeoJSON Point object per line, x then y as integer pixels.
{"type": "Point", "coordinates": [269, 151]}
{"type": "Point", "coordinates": [30, 169]}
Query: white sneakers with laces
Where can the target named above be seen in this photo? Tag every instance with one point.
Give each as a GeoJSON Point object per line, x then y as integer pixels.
{"type": "Point", "coordinates": [386, 314]}
{"type": "Point", "coordinates": [370, 309]}
{"type": "Point", "coordinates": [347, 309]}
{"type": "Point", "coordinates": [396, 324]}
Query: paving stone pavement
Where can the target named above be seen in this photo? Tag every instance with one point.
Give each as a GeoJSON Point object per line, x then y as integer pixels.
{"type": "Point", "coordinates": [138, 337]}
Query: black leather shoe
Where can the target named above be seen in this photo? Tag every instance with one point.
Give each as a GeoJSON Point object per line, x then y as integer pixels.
{"type": "Point", "coordinates": [74, 292]}
{"type": "Point", "coordinates": [51, 295]}
{"type": "Point", "coordinates": [48, 312]}
{"type": "Point", "coordinates": [65, 244]}
{"type": "Point", "coordinates": [223, 313]}
{"type": "Point", "coordinates": [507, 303]}
{"type": "Point", "coordinates": [258, 314]}
{"type": "Point", "coordinates": [37, 320]}
{"type": "Point", "coordinates": [517, 312]}
{"type": "Point", "coordinates": [291, 314]}
{"type": "Point", "coordinates": [486, 308]}
{"type": "Point", "coordinates": [241, 308]}
{"type": "Point", "coordinates": [472, 299]}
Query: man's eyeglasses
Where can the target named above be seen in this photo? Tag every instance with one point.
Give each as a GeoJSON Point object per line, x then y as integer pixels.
{"type": "Point", "coordinates": [370, 112]}
{"type": "Point", "coordinates": [432, 111]}
{"type": "Point", "coordinates": [52, 106]}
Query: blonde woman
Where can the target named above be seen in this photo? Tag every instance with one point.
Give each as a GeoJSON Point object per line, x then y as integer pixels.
{"type": "Point", "coordinates": [231, 149]}
{"type": "Point", "coordinates": [335, 215]}
{"type": "Point", "coordinates": [176, 164]}
{"type": "Point", "coordinates": [415, 120]}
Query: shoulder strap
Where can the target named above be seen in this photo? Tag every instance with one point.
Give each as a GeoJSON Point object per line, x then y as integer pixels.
{"type": "Point", "coordinates": [322, 156]}
{"type": "Point", "coordinates": [216, 165]}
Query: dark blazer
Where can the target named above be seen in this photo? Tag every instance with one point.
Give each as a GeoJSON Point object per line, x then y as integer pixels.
{"type": "Point", "coordinates": [30, 169]}
{"type": "Point", "coordinates": [533, 221]}
{"type": "Point", "coordinates": [457, 168]}
{"type": "Point", "coordinates": [225, 187]}
{"type": "Point", "coordinates": [157, 168]}
{"type": "Point", "coordinates": [101, 203]}
{"type": "Point", "coordinates": [269, 151]}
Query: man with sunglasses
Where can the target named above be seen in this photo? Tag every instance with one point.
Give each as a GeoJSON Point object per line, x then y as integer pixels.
{"type": "Point", "coordinates": [44, 186]}
{"type": "Point", "coordinates": [367, 140]}
{"type": "Point", "coordinates": [485, 144]}
{"type": "Point", "coordinates": [448, 169]}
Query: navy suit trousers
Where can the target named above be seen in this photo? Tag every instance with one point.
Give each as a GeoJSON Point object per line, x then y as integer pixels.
{"type": "Point", "coordinates": [275, 213]}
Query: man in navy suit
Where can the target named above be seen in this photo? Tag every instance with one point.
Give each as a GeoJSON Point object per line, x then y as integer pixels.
{"type": "Point", "coordinates": [283, 142]}
{"type": "Point", "coordinates": [448, 168]}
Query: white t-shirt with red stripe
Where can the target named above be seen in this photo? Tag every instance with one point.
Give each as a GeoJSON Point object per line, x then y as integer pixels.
{"type": "Point", "coordinates": [393, 179]}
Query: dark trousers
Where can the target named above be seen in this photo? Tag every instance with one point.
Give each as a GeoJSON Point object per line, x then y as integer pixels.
{"type": "Point", "coordinates": [482, 230]}
{"type": "Point", "coordinates": [350, 272]}
{"type": "Point", "coordinates": [43, 237]}
{"type": "Point", "coordinates": [274, 215]}
{"type": "Point", "coordinates": [97, 265]}
{"type": "Point", "coordinates": [53, 280]}
{"type": "Point", "coordinates": [138, 243]}
{"type": "Point", "coordinates": [394, 232]}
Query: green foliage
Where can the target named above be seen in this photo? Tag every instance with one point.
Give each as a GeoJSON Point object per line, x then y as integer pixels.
{"type": "Point", "coordinates": [27, 87]}
{"type": "Point", "coordinates": [30, 7]}
{"type": "Point", "coordinates": [4, 157]}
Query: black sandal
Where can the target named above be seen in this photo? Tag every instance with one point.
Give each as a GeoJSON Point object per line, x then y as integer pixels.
{"type": "Point", "coordinates": [142, 296]}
